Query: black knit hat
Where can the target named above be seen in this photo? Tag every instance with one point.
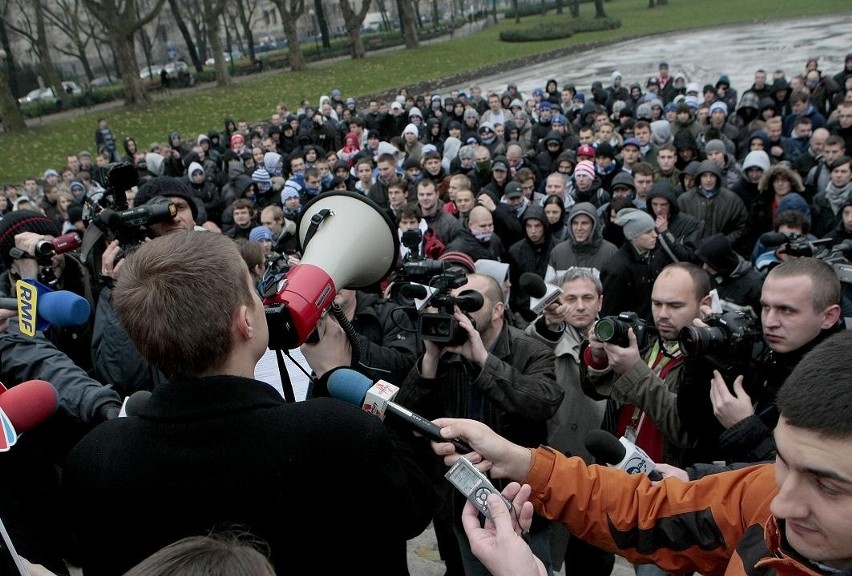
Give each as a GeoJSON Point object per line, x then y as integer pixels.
{"type": "Point", "coordinates": [716, 251]}
{"type": "Point", "coordinates": [166, 186]}
{"type": "Point", "coordinates": [23, 221]}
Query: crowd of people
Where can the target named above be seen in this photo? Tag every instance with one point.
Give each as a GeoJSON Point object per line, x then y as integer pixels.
{"type": "Point", "coordinates": [666, 206]}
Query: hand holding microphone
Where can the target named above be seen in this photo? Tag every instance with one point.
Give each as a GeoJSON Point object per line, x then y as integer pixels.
{"type": "Point", "coordinates": [542, 295]}
{"type": "Point", "coordinates": [355, 388]}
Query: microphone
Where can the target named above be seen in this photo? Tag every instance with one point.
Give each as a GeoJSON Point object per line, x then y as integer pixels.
{"type": "Point", "coordinates": [354, 388]}
{"type": "Point", "coordinates": [50, 307]}
{"type": "Point", "coordinates": [541, 295]}
{"type": "Point", "coordinates": [620, 453]}
{"type": "Point", "coordinates": [23, 407]}
{"type": "Point", "coordinates": [420, 293]}
{"type": "Point", "coordinates": [134, 403]}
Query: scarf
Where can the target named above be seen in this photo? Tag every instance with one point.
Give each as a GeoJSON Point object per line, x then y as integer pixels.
{"type": "Point", "coordinates": [837, 196]}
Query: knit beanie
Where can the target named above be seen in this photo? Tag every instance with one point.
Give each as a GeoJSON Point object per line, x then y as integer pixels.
{"type": "Point", "coordinates": [23, 221]}
{"type": "Point", "coordinates": [413, 129]}
{"type": "Point", "coordinates": [715, 146]}
{"type": "Point", "coordinates": [585, 167]}
{"type": "Point", "coordinates": [259, 233]}
{"type": "Point", "coordinates": [635, 222]}
{"type": "Point", "coordinates": [716, 251]}
{"type": "Point", "coordinates": [459, 259]}
{"type": "Point", "coordinates": [721, 106]}
{"type": "Point", "coordinates": [756, 159]}
{"type": "Point", "coordinates": [261, 177]}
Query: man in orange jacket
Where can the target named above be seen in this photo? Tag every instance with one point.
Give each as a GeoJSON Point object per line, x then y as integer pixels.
{"type": "Point", "coordinates": [790, 517]}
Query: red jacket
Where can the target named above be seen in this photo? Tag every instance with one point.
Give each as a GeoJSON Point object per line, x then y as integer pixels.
{"type": "Point", "coordinates": [709, 526]}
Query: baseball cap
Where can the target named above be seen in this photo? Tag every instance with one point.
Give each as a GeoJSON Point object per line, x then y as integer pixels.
{"type": "Point", "coordinates": [500, 164]}
{"type": "Point", "coordinates": [513, 190]}
{"type": "Point", "coordinates": [586, 150]}
{"type": "Point", "coordinates": [632, 142]}
{"type": "Point", "coordinates": [50, 172]}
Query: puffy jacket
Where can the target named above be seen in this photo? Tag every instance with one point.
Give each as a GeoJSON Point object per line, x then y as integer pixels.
{"type": "Point", "coordinates": [720, 524]}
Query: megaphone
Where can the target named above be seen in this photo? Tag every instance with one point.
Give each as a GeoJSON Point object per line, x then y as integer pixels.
{"type": "Point", "coordinates": [347, 241]}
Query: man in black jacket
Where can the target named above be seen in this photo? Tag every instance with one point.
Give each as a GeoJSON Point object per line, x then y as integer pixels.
{"type": "Point", "coordinates": [216, 449]}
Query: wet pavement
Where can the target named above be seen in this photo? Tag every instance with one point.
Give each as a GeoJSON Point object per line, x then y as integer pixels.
{"type": "Point", "coordinates": [701, 55]}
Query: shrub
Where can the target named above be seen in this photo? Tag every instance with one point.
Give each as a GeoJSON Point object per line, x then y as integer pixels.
{"type": "Point", "coordinates": [558, 31]}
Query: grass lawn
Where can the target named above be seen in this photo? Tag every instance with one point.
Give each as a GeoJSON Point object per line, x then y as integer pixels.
{"type": "Point", "coordinates": [255, 98]}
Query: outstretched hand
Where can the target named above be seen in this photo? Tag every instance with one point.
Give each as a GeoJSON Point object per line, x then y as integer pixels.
{"type": "Point", "coordinates": [499, 543]}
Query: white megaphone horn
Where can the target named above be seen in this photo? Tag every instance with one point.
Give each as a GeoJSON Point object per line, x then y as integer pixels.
{"type": "Point", "coordinates": [347, 241]}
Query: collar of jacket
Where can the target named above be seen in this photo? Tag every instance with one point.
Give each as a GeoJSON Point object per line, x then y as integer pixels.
{"type": "Point", "coordinates": [209, 397]}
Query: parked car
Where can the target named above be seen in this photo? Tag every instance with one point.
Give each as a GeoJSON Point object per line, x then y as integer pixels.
{"type": "Point", "coordinates": [47, 94]}
{"type": "Point", "coordinates": [104, 81]}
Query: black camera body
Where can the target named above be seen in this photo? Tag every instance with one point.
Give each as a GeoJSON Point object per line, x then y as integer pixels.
{"type": "Point", "coordinates": [613, 329]}
{"type": "Point", "coordinates": [441, 278]}
{"type": "Point", "coordinates": [727, 342]}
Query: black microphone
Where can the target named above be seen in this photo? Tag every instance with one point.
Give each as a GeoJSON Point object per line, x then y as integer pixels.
{"type": "Point", "coordinates": [772, 239]}
{"type": "Point", "coordinates": [134, 403]}
{"type": "Point", "coordinates": [354, 388]}
{"type": "Point", "coordinates": [541, 294]}
{"type": "Point", "coordinates": [469, 300]}
{"type": "Point", "coordinates": [414, 291]}
{"type": "Point", "coordinates": [620, 453]}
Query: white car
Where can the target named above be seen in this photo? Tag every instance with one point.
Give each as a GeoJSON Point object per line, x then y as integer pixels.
{"type": "Point", "coordinates": [47, 94]}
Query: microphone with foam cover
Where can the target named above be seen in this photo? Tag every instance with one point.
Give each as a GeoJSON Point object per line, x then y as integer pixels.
{"type": "Point", "coordinates": [620, 453]}
{"type": "Point", "coordinates": [354, 388]}
{"type": "Point", "coordinates": [23, 407]}
{"type": "Point", "coordinates": [541, 294]}
{"type": "Point", "coordinates": [53, 307]}
{"type": "Point", "coordinates": [134, 403]}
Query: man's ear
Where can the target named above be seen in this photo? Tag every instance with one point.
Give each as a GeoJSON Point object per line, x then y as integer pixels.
{"type": "Point", "coordinates": [242, 322]}
{"type": "Point", "coordinates": [830, 316]}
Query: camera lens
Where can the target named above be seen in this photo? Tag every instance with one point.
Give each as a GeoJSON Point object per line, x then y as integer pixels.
{"type": "Point", "coordinates": [694, 340]}
{"type": "Point", "coordinates": [609, 330]}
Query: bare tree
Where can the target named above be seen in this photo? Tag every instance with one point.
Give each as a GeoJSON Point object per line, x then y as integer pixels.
{"type": "Point", "coordinates": [121, 19]}
{"type": "Point", "coordinates": [599, 9]}
{"type": "Point", "coordinates": [13, 120]}
{"type": "Point", "coordinates": [290, 11]}
{"type": "Point", "coordinates": [67, 16]}
{"type": "Point", "coordinates": [574, 7]}
{"type": "Point", "coordinates": [245, 12]}
{"type": "Point", "coordinates": [409, 24]}
{"type": "Point", "coordinates": [322, 23]}
{"type": "Point", "coordinates": [212, 10]}
{"type": "Point", "coordinates": [36, 34]}
{"type": "Point", "coordinates": [352, 21]}
{"type": "Point", "coordinates": [559, 6]}
{"type": "Point", "coordinates": [187, 37]}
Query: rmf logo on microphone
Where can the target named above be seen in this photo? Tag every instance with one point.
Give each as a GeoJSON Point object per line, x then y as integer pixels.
{"type": "Point", "coordinates": [27, 300]}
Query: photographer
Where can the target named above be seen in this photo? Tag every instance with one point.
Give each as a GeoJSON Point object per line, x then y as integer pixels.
{"type": "Point", "coordinates": [499, 376]}
{"type": "Point", "coordinates": [642, 377]}
{"type": "Point", "coordinates": [800, 308]}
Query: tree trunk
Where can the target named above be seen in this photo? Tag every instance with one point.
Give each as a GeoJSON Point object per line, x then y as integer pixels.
{"type": "Point", "coordinates": [51, 78]}
{"type": "Point", "coordinates": [575, 8]}
{"type": "Point", "coordinates": [517, 13]}
{"type": "Point", "coordinates": [187, 37]}
{"type": "Point", "coordinates": [13, 120]}
{"type": "Point", "coordinates": [289, 16]}
{"type": "Point", "coordinates": [211, 19]}
{"type": "Point", "coordinates": [322, 24]}
{"type": "Point", "coordinates": [559, 6]}
{"type": "Point", "coordinates": [245, 22]}
{"type": "Point", "coordinates": [352, 21]}
{"type": "Point", "coordinates": [135, 91]}
{"type": "Point", "coordinates": [599, 9]}
{"type": "Point", "coordinates": [409, 22]}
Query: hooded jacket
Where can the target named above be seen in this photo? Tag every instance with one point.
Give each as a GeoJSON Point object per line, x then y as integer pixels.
{"type": "Point", "coordinates": [681, 237]}
{"type": "Point", "coordinates": [592, 253]}
{"type": "Point", "coordinates": [524, 256]}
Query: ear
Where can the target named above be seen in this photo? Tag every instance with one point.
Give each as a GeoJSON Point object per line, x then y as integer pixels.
{"type": "Point", "coordinates": [707, 302]}
{"type": "Point", "coordinates": [498, 310]}
{"type": "Point", "coordinates": [242, 323]}
{"type": "Point", "coordinates": [830, 316]}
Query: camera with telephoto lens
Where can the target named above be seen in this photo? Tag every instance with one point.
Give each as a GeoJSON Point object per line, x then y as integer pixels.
{"type": "Point", "coordinates": [434, 280]}
{"type": "Point", "coordinates": [727, 342]}
{"type": "Point", "coordinates": [613, 329]}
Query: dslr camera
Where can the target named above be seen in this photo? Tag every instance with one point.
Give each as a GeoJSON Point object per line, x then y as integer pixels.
{"type": "Point", "coordinates": [613, 329]}
{"type": "Point", "coordinates": [726, 343]}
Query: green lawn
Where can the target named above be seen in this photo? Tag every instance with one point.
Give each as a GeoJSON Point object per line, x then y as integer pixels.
{"type": "Point", "coordinates": [46, 146]}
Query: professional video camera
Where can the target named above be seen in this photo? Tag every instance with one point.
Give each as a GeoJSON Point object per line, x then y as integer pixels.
{"type": "Point", "coordinates": [107, 208]}
{"type": "Point", "coordinates": [433, 281]}
{"type": "Point", "coordinates": [838, 256]}
{"type": "Point", "coordinates": [614, 329]}
{"type": "Point", "coordinates": [727, 342]}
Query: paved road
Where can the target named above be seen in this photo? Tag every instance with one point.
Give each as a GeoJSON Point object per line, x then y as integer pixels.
{"type": "Point", "coordinates": [701, 55]}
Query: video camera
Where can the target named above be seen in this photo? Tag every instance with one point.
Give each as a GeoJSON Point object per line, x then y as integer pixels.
{"type": "Point", "coordinates": [797, 245]}
{"type": "Point", "coordinates": [433, 281]}
{"type": "Point", "coordinates": [727, 342]}
{"type": "Point", "coordinates": [108, 210]}
{"type": "Point", "coordinates": [614, 329]}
